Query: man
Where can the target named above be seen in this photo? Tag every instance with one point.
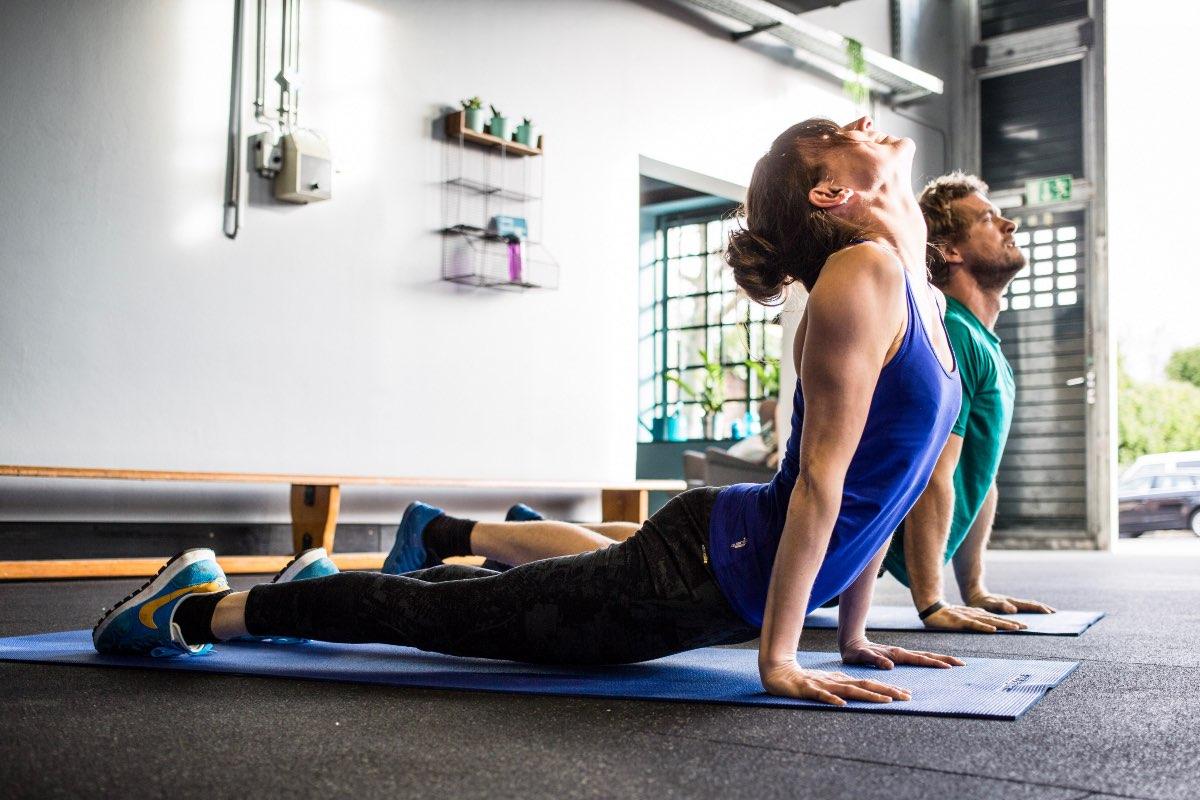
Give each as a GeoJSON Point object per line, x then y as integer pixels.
{"type": "Point", "coordinates": [953, 518]}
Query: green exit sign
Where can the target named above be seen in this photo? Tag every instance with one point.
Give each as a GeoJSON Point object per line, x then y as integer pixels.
{"type": "Point", "coordinates": [1048, 190]}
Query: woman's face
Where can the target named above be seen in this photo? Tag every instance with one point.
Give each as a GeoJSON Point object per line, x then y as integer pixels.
{"type": "Point", "coordinates": [861, 157]}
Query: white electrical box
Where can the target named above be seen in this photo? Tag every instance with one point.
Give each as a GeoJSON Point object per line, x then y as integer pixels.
{"type": "Point", "coordinates": [306, 171]}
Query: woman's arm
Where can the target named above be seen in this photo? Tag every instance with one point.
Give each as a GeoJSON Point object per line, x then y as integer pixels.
{"type": "Point", "coordinates": [853, 317]}
{"type": "Point", "coordinates": [852, 628]}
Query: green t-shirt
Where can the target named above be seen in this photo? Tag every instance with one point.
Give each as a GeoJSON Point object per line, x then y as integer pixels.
{"type": "Point", "coordinates": [988, 390]}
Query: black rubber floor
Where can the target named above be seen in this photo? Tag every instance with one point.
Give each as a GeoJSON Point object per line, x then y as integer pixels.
{"type": "Point", "coordinates": [1126, 724]}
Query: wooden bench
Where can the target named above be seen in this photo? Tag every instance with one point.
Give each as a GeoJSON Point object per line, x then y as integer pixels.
{"type": "Point", "coordinates": [315, 501]}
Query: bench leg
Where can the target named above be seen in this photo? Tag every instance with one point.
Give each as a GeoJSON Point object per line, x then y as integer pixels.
{"type": "Point", "coordinates": [624, 505]}
{"type": "Point", "coordinates": [314, 516]}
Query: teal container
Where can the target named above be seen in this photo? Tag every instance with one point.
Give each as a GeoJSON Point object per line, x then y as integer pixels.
{"type": "Point", "coordinates": [473, 119]}
{"type": "Point", "coordinates": [498, 126]}
{"type": "Point", "coordinates": [524, 135]}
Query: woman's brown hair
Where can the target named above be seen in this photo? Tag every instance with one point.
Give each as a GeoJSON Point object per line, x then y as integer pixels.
{"type": "Point", "coordinates": [783, 237]}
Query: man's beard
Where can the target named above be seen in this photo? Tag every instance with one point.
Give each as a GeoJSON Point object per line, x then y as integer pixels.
{"type": "Point", "coordinates": [995, 274]}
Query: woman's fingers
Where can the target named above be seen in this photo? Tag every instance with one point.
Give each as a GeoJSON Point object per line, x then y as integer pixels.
{"type": "Point", "coordinates": [834, 688]}
{"type": "Point", "coordinates": [851, 692]}
{"type": "Point", "coordinates": [870, 657]}
{"type": "Point", "coordinates": [894, 692]}
{"type": "Point", "coordinates": [824, 697]}
{"type": "Point", "coordinates": [921, 660]}
{"type": "Point", "coordinates": [950, 661]}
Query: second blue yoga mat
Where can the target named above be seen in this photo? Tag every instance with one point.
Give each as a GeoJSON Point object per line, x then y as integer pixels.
{"type": "Point", "coordinates": [986, 688]}
{"type": "Point", "coordinates": [905, 618]}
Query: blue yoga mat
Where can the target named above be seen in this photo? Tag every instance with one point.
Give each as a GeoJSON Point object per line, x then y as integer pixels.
{"type": "Point", "coordinates": [986, 688]}
{"type": "Point", "coordinates": [905, 618]}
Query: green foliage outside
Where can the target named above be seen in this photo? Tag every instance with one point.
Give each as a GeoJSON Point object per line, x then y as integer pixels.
{"type": "Point", "coordinates": [1184, 365]}
{"type": "Point", "coordinates": [1159, 417]}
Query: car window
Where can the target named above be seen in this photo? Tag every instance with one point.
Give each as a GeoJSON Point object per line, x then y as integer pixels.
{"type": "Point", "coordinates": [1174, 482]}
{"type": "Point", "coordinates": [1136, 486]}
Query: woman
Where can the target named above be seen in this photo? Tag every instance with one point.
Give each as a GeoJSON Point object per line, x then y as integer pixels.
{"type": "Point", "coordinates": [829, 207]}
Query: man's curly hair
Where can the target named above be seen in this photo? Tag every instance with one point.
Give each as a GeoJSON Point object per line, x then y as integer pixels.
{"type": "Point", "coordinates": [946, 226]}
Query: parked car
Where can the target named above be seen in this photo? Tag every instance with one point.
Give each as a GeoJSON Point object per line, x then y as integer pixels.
{"type": "Point", "coordinates": [1159, 501]}
{"type": "Point", "coordinates": [1163, 463]}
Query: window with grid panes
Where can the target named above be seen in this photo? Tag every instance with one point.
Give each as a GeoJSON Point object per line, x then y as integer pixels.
{"type": "Point", "coordinates": [1052, 274]}
{"type": "Point", "coordinates": [690, 303]}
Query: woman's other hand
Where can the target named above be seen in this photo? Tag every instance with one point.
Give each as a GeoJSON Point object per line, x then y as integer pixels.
{"type": "Point", "coordinates": [835, 688]}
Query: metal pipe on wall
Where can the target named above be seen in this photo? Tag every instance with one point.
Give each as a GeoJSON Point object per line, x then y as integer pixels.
{"type": "Point", "coordinates": [285, 95]}
{"type": "Point", "coordinates": [295, 75]}
{"type": "Point", "coordinates": [260, 72]}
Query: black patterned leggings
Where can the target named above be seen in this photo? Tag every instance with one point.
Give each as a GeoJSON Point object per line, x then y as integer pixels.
{"type": "Point", "coordinates": [647, 597]}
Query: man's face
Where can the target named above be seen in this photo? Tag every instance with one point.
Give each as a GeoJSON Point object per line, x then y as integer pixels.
{"type": "Point", "coordinates": [987, 251]}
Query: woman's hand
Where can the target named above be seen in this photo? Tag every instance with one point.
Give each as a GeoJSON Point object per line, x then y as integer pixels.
{"type": "Point", "coordinates": [789, 679]}
{"type": "Point", "coordinates": [882, 656]}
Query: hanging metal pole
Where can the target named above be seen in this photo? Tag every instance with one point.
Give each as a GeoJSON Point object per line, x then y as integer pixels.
{"type": "Point", "coordinates": [295, 74]}
{"type": "Point", "coordinates": [233, 155]}
{"type": "Point", "coordinates": [283, 79]}
{"type": "Point", "coordinates": [260, 71]}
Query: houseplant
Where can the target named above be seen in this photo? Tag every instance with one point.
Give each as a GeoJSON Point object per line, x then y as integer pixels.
{"type": "Point", "coordinates": [473, 113]}
{"type": "Point", "coordinates": [767, 372]}
{"type": "Point", "coordinates": [711, 395]}
{"type": "Point", "coordinates": [524, 133]}
{"type": "Point", "coordinates": [498, 125]}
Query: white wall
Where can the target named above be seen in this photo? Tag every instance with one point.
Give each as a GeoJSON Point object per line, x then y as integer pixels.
{"type": "Point", "coordinates": [133, 334]}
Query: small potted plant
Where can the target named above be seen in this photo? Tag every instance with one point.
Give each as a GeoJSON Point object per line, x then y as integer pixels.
{"type": "Point", "coordinates": [498, 124]}
{"type": "Point", "coordinates": [473, 113]}
{"type": "Point", "coordinates": [524, 133]}
{"type": "Point", "coordinates": [711, 395]}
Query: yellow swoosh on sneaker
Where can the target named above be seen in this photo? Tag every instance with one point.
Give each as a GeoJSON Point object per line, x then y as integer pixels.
{"type": "Point", "coordinates": [146, 612]}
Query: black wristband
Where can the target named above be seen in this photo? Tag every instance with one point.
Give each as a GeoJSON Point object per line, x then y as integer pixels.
{"type": "Point", "coordinates": [933, 609]}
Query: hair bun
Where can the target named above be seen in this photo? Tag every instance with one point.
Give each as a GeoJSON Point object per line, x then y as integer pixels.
{"type": "Point", "coordinates": [758, 266]}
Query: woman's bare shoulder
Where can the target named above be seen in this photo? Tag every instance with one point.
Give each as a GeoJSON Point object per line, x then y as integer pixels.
{"type": "Point", "coordinates": [862, 273]}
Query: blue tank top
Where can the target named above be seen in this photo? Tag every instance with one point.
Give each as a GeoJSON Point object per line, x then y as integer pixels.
{"type": "Point", "coordinates": [914, 405]}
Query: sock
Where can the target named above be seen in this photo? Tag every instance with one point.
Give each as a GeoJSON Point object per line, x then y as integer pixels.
{"type": "Point", "coordinates": [194, 616]}
{"type": "Point", "coordinates": [447, 536]}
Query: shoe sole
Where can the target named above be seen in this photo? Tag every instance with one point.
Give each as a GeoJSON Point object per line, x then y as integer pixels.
{"type": "Point", "coordinates": [160, 579]}
{"type": "Point", "coordinates": [299, 563]}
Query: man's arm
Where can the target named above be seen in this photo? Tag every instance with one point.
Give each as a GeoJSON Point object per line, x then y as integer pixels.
{"type": "Point", "coordinates": [968, 567]}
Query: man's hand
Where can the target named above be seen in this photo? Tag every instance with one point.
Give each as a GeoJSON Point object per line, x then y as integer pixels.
{"type": "Point", "coordinates": [791, 680]}
{"type": "Point", "coordinates": [883, 656]}
{"type": "Point", "coordinates": [1003, 604]}
{"type": "Point", "coordinates": [965, 618]}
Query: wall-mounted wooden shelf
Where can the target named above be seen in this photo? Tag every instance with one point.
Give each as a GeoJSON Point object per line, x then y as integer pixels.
{"type": "Point", "coordinates": [456, 129]}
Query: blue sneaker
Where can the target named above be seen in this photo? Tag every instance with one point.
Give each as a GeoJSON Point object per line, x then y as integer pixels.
{"type": "Point", "coordinates": [312, 563]}
{"type": "Point", "coordinates": [522, 513]}
{"type": "Point", "coordinates": [143, 623]}
{"type": "Point", "coordinates": [408, 553]}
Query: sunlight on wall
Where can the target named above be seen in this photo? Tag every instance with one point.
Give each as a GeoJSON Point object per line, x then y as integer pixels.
{"type": "Point", "coordinates": [199, 109]}
{"type": "Point", "coordinates": [1151, 187]}
{"type": "Point", "coordinates": [350, 81]}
